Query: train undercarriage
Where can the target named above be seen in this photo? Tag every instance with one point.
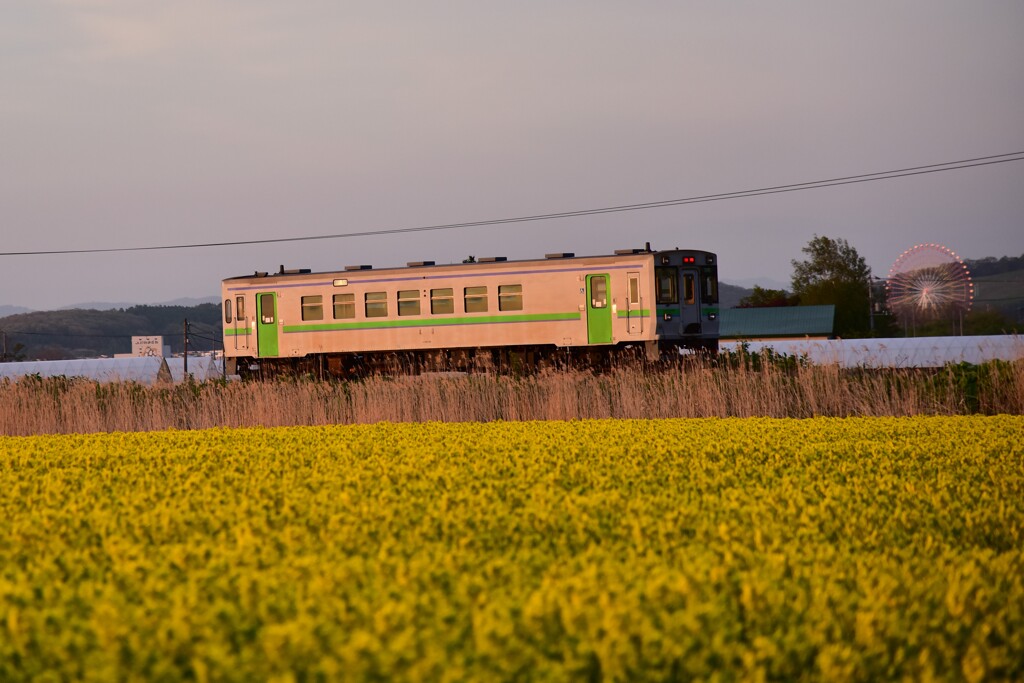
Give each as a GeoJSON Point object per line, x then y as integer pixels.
{"type": "Point", "coordinates": [498, 360]}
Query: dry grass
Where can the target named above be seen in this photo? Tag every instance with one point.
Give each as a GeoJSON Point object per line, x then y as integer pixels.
{"type": "Point", "coordinates": [740, 389]}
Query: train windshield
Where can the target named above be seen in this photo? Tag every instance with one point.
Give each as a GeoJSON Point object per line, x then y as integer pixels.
{"type": "Point", "coordinates": [668, 285]}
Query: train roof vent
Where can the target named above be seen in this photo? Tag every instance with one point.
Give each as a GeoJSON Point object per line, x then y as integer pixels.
{"type": "Point", "coordinates": [492, 259]}
{"type": "Point", "coordinates": [293, 271]}
{"type": "Point", "coordinates": [626, 252]}
{"type": "Point", "coordinates": [361, 267]}
{"type": "Point", "coordinates": [417, 264]}
{"type": "Point", "coordinates": [561, 254]}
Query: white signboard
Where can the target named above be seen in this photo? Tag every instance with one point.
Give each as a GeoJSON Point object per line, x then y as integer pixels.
{"type": "Point", "coordinates": [148, 346]}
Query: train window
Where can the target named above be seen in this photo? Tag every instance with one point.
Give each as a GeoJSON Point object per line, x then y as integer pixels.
{"type": "Point", "coordinates": [344, 306]}
{"type": "Point", "coordinates": [240, 308]}
{"type": "Point", "coordinates": [476, 299]}
{"type": "Point", "coordinates": [442, 301]}
{"type": "Point", "coordinates": [409, 302]}
{"type": "Point", "coordinates": [376, 304]}
{"type": "Point", "coordinates": [313, 307]}
{"type": "Point", "coordinates": [510, 297]}
{"type": "Point", "coordinates": [668, 285]}
{"type": "Point", "coordinates": [689, 296]}
{"type": "Point", "coordinates": [267, 308]}
{"type": "Point", "coordinates": [227, 310]}
{"type": "Point", "coordinates": [709, 286]}
{"type": "Point", "coordinates": [634, 289]}
{"type": "Point", "coordinates": [599, 291]}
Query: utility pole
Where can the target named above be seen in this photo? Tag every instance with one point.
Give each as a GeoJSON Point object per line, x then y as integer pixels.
{"type": "Point", "coordinates": [871, 305]}
{"type": "Point", "coordinates": [186, 350]}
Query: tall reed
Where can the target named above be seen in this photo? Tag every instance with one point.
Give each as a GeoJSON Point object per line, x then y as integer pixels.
{"type": "Point", "coordinates": [698, 389]}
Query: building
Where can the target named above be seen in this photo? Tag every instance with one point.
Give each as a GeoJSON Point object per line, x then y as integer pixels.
{"type": "Point", "coordinates": [777, 322]}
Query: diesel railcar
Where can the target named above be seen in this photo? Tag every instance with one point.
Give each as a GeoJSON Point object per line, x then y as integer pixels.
{"type": "Point", "coordinates": [453, 316]}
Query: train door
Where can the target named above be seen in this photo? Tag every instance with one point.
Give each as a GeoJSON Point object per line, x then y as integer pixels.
{"type": "Point", "coordinates": [266, 324]}
{"type": "Point", "coordinates": [242, 330]}
{"type": "Point", "coordinates": [634, 305]}
{"type": "Point", "coordinates": [689, 301]}
{"type": "Point", "coordinates": [599, 312]}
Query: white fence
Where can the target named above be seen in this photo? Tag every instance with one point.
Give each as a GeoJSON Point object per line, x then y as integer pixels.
{"type": "Point", "coordinates": [913, 352]}
{"type": "Point", "coordinates": [141, 369]}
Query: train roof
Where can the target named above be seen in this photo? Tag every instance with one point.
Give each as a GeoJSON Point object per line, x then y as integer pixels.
{"type": "Point", "coordinates": [485, 260]}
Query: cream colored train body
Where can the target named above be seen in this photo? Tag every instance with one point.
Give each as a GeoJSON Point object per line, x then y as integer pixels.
{"type": "Point", "coordinates": [505, 311]}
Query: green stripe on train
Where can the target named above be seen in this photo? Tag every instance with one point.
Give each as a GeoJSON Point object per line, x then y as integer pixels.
{"type": "Point", "coordinates": [434, 322]}
{"type": "Point", "coordinates": [543, 317]}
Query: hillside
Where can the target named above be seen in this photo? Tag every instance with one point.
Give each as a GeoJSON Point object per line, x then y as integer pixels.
{"type": "Point", "coordinates": [1003, 292]}
{"type": "Point", "coordinates": [89, 333]}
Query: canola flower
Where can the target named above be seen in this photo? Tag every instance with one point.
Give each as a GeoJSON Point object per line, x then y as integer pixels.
{"type": "Point", "coordinates": [821, 549]}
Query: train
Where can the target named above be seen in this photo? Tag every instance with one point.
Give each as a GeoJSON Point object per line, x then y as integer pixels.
{"type": "Point", "coordinates": [482, 312]}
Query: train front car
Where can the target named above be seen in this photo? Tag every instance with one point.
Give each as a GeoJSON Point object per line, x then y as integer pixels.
{"type": "Point", "coordinates": [686, 293]}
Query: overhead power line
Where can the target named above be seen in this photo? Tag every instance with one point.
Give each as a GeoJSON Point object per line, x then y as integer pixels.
{"type": "Point", "coordinates": [84, 335]}
{"type": "Point", "coordinates": [73, 335]}
{"type": "Point", "coordinates": [777, 189]}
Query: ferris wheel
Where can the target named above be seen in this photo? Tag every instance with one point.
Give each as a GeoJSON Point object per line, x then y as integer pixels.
{"type": "Point", "coordinates": [929, 282]}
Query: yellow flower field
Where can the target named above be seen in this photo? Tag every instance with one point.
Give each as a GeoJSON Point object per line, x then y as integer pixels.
{"type": "Point", "coordinates": [819, 549]}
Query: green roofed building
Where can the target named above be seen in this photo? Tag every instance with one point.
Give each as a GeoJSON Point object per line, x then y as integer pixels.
{"type": "Point", "coordinates": [777, 322]}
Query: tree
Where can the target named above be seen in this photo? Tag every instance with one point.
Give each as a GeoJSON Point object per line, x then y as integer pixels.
{"type": "Point", "coordinates": [834, 273]}
{"type": "Point", "coordinates": [768, 298]}
{"type": "Point", "coordinates": [12, 354]}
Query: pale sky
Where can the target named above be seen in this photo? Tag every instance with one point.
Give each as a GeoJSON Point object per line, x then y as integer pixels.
{"type": "Point", "coordinates": [135, 123]}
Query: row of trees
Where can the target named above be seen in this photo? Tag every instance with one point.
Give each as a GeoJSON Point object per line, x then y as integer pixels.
{"type": "Point", "coordinates": [990, 265]}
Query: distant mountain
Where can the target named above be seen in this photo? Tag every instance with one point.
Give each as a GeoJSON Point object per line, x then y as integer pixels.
{"type": "Point", "coordinates": [111, 306]}
{"type": "Point", "coordinates": [96, 306]}
{"type": "Point", "coordinates": [192, 301]}
{"type": "Point", "coordinates": [729, 295]}
{"type": "Point", "coordinates": [762, 282]}
{"type": "Point", "coordinates": [12, 310]}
